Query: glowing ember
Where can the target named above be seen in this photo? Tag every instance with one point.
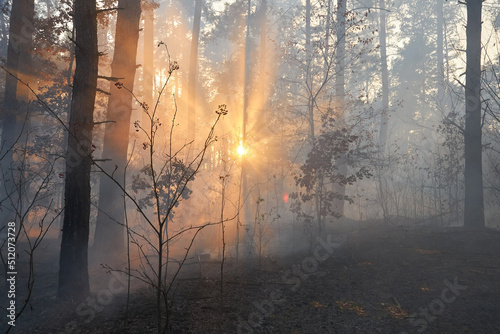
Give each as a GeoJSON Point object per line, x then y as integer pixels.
{"type": "Point", "coordinates": [317, 304]}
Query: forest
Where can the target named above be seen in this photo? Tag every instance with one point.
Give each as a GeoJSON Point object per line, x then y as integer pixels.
{"type": "Point", "coordinates": [249, 166]}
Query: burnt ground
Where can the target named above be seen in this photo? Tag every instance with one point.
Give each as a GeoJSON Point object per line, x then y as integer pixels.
{"type": "Point", "coordinates": [383, 279]}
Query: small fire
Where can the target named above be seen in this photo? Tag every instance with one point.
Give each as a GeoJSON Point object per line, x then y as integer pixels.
{"type": "Point", "coordinates": [317, 304]}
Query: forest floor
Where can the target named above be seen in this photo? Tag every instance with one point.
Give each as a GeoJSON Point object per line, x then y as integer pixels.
{"type": "Point", "coordinates": [383, 279]}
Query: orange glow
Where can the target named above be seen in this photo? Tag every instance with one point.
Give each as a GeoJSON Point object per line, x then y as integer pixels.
{"type": "Point", "coordinates": [285, 197]}
{"type": "Point", "coordinates": [351, 306]}
{"type": "Point", "coordinates": [395, 311]}
{"type": "Point", "coordinates": [317, 304]}
{"type": "Point", "coordinates": [241, 150]}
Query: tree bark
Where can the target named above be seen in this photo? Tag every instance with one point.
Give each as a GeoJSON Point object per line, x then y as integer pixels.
{"type": "Point", "coordinates": [384, 119]}
{"type": "Point", "coordinates": [439, 50]}
{"type": "Point", "coordinates": [193, 70]}
{"type": "Point", "coordinates": [263, 41]}
{"type": "Point", "coordinates": [246, 88]}
{"type": "Point", "coordinates": [326, 63]}
{"type": "Point", "coordinates": [110, 233]}
{"type": "Point", "coordinates": [148, 64]}
{"type": "Point", "coordinates": [474, 207]}
{"type": "Point", "coordinates": [249, 228]}
{"type": "Point", "coordinates": [341, 162]}
{"type": "Point", "coordinates": [73, 262]}
{"type": "Point", "coordinates": [19, 51]}
{"type": "Point", "coordinates": [340, 64]}
{"type": "Point", "coordinates": [309, 80]}
{"type": "Point", "coordinates": [3, 33]}
{"type": "Point", "coordinates": [384, 122]}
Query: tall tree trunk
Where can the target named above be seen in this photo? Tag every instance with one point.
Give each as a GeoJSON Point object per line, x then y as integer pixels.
{"type": "Point", "coordinates": [14, 108]}
{"type": "Point", "coordinates": [340, 100]}
{"type": "Point", "coordinates": [263, 40]}
{"type": "Point", "coordinates": [67, 105]}
{"type": "Point", "coordinates": [309, 83]}
{"type": "Point", "coordinates": [310, 107]}
{"type": "Point", "coordinates": [308, 33]}
{"type": "Point", "coordinates": [340, 64]}
{"type": "Point", "coordinates": [246, 83]}
{"type": "Point", "coordinates": [193, 70]}
{"type": "Point", "coordinates": [148, 63]}
{"type": "Point", "coordinates": [3, 32]}
{"type": "Point", "coordinates": [109, 235]}
{"type": "Point", "coordinates": [441, 99]}
{"type": "Point", "coordinates": [73, 262]}
{"type": "Point", "coordinates": [263, 86]}
{"type": "Point", "coordinates": [260, 80]}
{"type": "Point", "coordinates": [384, 122]}
{"type": "Point", "coordinates": [439, 50]}
{"type": "Point", "coordinates": [249, 228]}
{"type": "Point", "coordinates": [474, 207]}
{"type": "Point", "coordinates": [326, 63]}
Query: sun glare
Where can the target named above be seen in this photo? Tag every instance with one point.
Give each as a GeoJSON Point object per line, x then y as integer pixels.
{"type": "Point", "coordinates": [241, 150]}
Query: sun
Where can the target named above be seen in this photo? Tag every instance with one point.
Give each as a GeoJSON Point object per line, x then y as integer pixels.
{"type": "Point", "coordinates": [241, 150]}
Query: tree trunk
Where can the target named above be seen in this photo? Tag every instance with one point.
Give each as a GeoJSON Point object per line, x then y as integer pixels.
{"type": "Point", "coordinates": [193, 70]}
{"type": "Point", "coordinates": [109, 235]}
{"type": "Point", "coordinates": [263, 41]}
{"type": "Point", "coordinates": [384, 119]}
{"type": "Point", "coordinates": [148, 63]}
{"type": "Point", "coordinates": [341, 162]}
{"type": "Point", "coordinates": [384, 122]}
{"type": "Point", "coordinates": [340, 64]}
{"type": "Point", "coordinates": [73, 263]}
{"type": "Point", "coordinates": [3, 33]}
{"type": "Point", "coordinates": [246, 88]}
{"type": "Point", "coordinates": [310, 108]}
{"type": "Point", "coordinates": [474, 207]}
{"type": "Point", "coordinates": [19, 51]}
{"type": "Point", "coordinates": [309, 83]}
{"type": "Point", "coordinates": [249, 228]}
{"type": "Point", "coordinates": [439, 49]}
{"type": "Point", "coordinates": [326, 63]}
